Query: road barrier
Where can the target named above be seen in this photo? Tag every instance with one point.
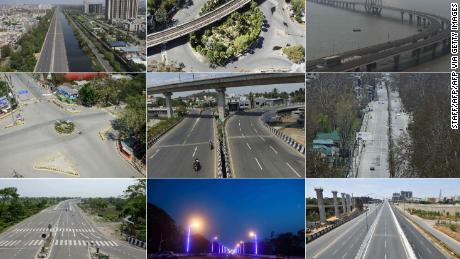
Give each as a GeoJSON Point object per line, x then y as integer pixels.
{"type": "Point", "coordinates": [336, 224]}
{"type": "Point", "coordinates": [228, 173]}
{"type": "Point", "coordinates": [136, 242]}
{"type": "Point", "coordinates": [290, 141]}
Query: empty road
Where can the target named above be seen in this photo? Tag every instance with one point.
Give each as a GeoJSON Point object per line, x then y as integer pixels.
{"type": "Point", "coordinates": [53, 56]}
{"type": "Point", "coordinates": [374, 151]}
{"type": "Point", "coordinates": [385, 234]}
{"type": "Point", "coordinates": [36, 142]}
{"type": "Point", "coordinates": [73, 233]}
{"type": "Point", "coordinates": [256, 153]}
{"type": "Point", "coordinates": [173, 155]}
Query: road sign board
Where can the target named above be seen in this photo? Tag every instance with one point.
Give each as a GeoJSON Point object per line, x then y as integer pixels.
{"type": "Point", "coordinates": [23, 91]}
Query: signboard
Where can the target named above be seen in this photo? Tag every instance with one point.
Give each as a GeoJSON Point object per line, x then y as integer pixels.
{"type": "Point", "coordinates": [4, 103]}
{"type": "Point", "coordinates": [23, 91]}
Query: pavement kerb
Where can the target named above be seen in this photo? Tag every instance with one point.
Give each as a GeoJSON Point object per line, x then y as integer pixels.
{"type": "Point", "coordinates": [56, 170]}
{"type": "Point", "coordinates": [49, 251]}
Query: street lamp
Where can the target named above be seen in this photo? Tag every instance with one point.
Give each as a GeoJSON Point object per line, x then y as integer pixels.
{"type": "Point", "coordinates": [195, 223]}
{"type": "Point", "coordinates": [253, 234]}
{"type": "Point", "coordinates": [242, 245]}
{"type": "Point", "coordinates": [212, 244]}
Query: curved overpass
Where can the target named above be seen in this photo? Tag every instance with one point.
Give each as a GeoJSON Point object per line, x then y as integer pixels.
{"type": "Point", "coordinates": [437, 33]}
{"type": "Point", "coordinates": [178, 31]}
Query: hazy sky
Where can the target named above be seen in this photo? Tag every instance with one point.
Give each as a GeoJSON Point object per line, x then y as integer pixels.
{"type": "Point", "coordinates": [385, 187]}
{"type": "Point", "coordinates": [68, 187]}
{"type": "Point", "coordinates": [155, 79]}
{"type": "Point", "coordinates": [230, 208]}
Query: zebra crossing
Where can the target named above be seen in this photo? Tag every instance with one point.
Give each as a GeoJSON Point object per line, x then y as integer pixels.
{"type": "Point", "coordinates": [58, 242]}
{"type": "Point", "coordinates": [73, 242]}
{"type": "Point", "coordinates": [23, 243]}
{"type": "Point", "coordinates": [80, 230]}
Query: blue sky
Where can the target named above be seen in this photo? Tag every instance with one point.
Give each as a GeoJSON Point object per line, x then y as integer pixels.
{"type": "Point", "coordinates": [231, 208]}
{"type": "Point", "coordinates": [385, 187]}
{"type": "Point", "coordinates": [155, 79]}
{"type": "Point", "coordinates": [68, 187]}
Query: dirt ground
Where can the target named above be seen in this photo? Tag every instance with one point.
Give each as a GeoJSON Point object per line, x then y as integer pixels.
{"type": "Point", "coordinates": [297, 134]}
{"type": "Point", "coordinates": [448, 231]}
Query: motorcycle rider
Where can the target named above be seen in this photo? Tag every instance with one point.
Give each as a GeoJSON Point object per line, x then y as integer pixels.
{"type": "Point", "coordinates": [196, 164]}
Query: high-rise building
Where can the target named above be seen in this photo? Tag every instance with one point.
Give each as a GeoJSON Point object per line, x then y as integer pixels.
{"type": "Point", "coordinates": [86, 5]}
{"type": "Point", "coordinates": [95, 8]}
{"type": "Point", "coordinates": [120, 9]}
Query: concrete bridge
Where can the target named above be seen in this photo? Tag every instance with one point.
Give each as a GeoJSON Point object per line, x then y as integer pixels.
{"type": "Point", "coordinates": [435, 33]}
{"type": "Point", "coordinates": [220, 84]}
{"type": "Point", "coordinates": [181, 30]}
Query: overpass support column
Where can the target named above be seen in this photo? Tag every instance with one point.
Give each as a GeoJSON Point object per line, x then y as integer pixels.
{"type": "Point", "coordinates": [410, 19]}
{"type": "Point", "coordinates": [396, 62]}
{"type": "Point", "coordinates": [221, 103]}
{"type": "Point", "coordinates": [344, 203]}
{"type": "Point", "coordinates": [336, 205]}
{"type": "Point", "coordinates": [348, 203]}
{"type": "Point", "coordinates": [321, 208]}
{"type": "Point", "coordinates": [402, 17]}
{"type": "Point", "coordinates": [168, 104]}
{"type": "Point", "coordinates": [424, 22]}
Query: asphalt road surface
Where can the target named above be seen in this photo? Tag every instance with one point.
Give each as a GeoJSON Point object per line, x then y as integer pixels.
{"type": "Point", "coordinates": [385, 234]}
{"type": "Point", "coordinates": [73, 233]}
{"type": "Point", "coordinates": [173, 155]}
{"type": "Point", "coordinates": [280, 31]}
{"type": "Point", "coordinates": [257, 153]}
{"type": "Point", "coordinates": [23, 146]}
{"type": "Point", "coordinates": [375, 152]}
{"type": "Point", "coordinates": [53, 56]}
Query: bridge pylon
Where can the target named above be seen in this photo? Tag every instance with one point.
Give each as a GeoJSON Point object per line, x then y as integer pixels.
{"type": "Point", "coordinates": [373, 7]}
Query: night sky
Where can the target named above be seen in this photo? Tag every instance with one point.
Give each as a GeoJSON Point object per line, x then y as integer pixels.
{"type": "Point", "coordinates": [231, 208]}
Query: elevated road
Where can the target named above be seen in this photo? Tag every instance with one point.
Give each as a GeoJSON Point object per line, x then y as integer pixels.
{"type": "Point", "coordinates": [73, 230]}
{"type": "Point", "coordinates": [175, 32]}
{"type": "Point", "coordinates": [256, 153]}
{"type": "Point", "coordinates": [53, 55]}
{"type": "Point", "coordinates": [173, 155]}
{"type": "Point", "coordinates": [435, 34]}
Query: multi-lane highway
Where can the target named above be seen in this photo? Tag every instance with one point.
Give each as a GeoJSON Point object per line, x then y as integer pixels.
{"type": "Point", "coordinates": [256, 153]}
{"type": "Point", "coordinates": [53, 55]}
{"type": "Point", "coordinates": [384, 233]}
{"type": "Point", "coordinates": [74, 232]}
{"type": "Point", "coordinates": [373, 155]}
{"type": "Point", "coordinates": [173, 155]}
{"type": "Point", "coordinates": [37, 143]}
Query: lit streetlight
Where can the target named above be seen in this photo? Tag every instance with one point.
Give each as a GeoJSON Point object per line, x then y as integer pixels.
{"type": "Point", "coordinates": [242, 245]}
{"type": "Point", "coordinates": [253, 234]}
{"type": "Point", "coordinates": [212, 243]}
{"type": "Point", "coordinates": [195, 223]}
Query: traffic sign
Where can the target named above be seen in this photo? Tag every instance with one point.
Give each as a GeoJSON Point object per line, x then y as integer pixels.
{"type": "Point", "coordinates": [23, 91]}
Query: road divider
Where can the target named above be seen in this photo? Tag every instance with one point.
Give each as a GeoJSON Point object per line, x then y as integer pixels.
{"type": "Point", "coordinates": [290, 141]}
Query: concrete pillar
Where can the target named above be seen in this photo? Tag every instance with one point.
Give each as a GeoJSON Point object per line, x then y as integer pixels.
{"type": "Point", "coordinates": [424, 22]}
{"type": "Point", "coordinates": [168, 104]}
{"type": "Point", "coordinates": [336, 205]}
{"type": "Point", "coordinates": [402, 17]}
{"type": "Point", "coordinates": [321, 208]}
{"type": "Point", "coordinates": [410, 19]}
{"type": "Point", "coordinates": [344, 203]}
{"type": "Point", "coordinates": [221, 103]}
{"type": "Point", "coordinates": [348, 203]}
{"type": "Point", "coordinates": [396, 62]}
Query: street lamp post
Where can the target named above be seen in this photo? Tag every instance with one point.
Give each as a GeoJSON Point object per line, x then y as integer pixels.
{"type": "Point", "coordinates": [194, 224]}
{"type": "Point", "coordinates": [242, 245]}
{"type": "Point", "coordinates": [212, 244]}
{"type": "Point", "coordinates": [253, 234]}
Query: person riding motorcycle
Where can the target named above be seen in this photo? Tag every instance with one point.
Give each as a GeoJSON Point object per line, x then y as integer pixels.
{"type": "Point", "coordinates": [210, 144]}
{"type": "Point", "coordinates": [196, 164]}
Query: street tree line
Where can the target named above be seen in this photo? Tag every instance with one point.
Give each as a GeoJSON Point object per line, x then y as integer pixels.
{"type": "Point", "coordinates": [332, 104]}
{"type": "Point", "coordinates": [14, 209]}
{"type": "Point", "coordinates": [431, 148]}
{"type": "Point", "coordinates": [130, 205]}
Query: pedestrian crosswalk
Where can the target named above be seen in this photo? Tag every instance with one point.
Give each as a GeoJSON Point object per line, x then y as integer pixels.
{"type": "Point", "coordinates": [80, 230]}
{"type": "Point", "coordinates": [58, 242]}
{"type": "Point", "coordinates": [15, 243]}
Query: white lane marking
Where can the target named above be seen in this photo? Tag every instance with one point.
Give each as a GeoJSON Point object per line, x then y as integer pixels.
{"type": "Point", "coordinates": [407, 247]}
{"type": "Point", "coordinates": [194, 151]}
{"type": "Point", "coordinates": [239, 124]}
{"type": "Point", "coordinates": [274, 150]}
{"type": "Point", "coordinates": [248, 146]}
{"type": "Point", "coordinates": [262, 138]}
{"type": "Point", "coordinates": [258, 163]}
{"type": "Point", "coordinates": [293, 169]}
{"type": "Point", "coordinates": [194, 124]}
{"type": "Point", "coordinates": [154, 154]}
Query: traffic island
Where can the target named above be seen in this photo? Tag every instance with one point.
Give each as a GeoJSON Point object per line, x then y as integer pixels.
{"type": "Point", "coordinates": [64, 127]}
{"type": "Point", "coordinates": [57, 163]}
{"type": "Point", "coordinates": [47, 247]}
{"type": "Point", "coordinates": [95, 253]}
